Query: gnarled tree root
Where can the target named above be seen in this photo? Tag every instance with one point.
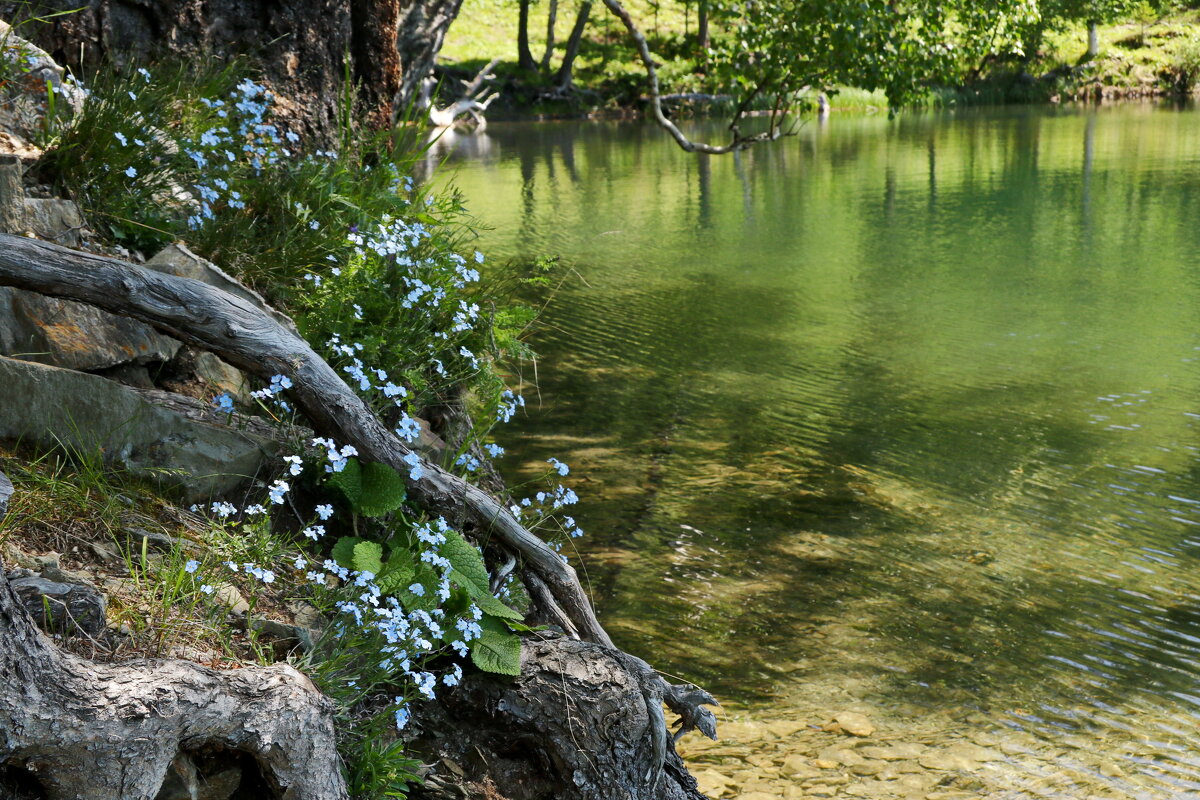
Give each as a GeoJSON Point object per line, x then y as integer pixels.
{"type": "Point", "coordinates": [89, 731]}
{"type": "Point", "coordinates": [533, 738]}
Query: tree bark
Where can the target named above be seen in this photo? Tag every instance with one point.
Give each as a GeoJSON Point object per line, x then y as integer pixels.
{"type": "Point", "coordinates": [524, 56]}
{"type": "Point", "coordinates": [423, 26]}
{"type": "Point", "coordinates": [575, 725]}
{"type": "Point", "coordinates": [551, 20]}
{"type": "Point", "coordinates": [1093, 48]}
{"type": "Point", "coordinates": [88, 731]}
{"type": "Point", "coordinates": [702, 26]}
{"type": "Point", "coordinates": [563, 78]}
{"type": "Point", "coordinates": [301, 45]}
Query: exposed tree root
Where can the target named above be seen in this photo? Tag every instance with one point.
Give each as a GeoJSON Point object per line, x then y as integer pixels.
{"type": "Point", "coordinates": [88, 731]}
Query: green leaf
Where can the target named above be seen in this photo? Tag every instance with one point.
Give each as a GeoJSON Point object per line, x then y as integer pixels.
{"type": "Point", "coordinates": [368, 557]}
{"type": "Point", "coordinates": [382, 490]}
{"type": "Point", "coordinates": [349, 483]}
{"type": "Point", "coordinates": [498, 650]}
{"type": "Point", "coordinates": [427, 577]}
{"type": "Point", "coordinates": [397, 575]}
{"type": "Point", "coordinates": [467, 562]}
{"type": "Point", "coordinates": [469, 572]}
{"type": "Point", "coordinates": [486, 602]}
{"type": "Point", "coordinates": [343, 551]}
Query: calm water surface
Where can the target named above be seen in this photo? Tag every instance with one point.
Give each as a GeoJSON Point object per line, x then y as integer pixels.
{"type": "Point", "coordinates": [894, 416]}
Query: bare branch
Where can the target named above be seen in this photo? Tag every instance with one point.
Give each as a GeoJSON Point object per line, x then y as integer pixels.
{"type": "Point", "coordinates": [739, 141]}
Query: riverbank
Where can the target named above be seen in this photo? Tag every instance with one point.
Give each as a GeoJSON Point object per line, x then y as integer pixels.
{"type": "Point", "coordinates": [1136, 59]}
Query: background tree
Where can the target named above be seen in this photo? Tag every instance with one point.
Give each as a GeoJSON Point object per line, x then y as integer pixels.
{"type": "Point", "coordinates": [770, 50]}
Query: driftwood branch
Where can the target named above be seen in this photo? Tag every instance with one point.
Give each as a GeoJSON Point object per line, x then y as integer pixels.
{"type": "Point", "coordinates": [474, 101]}
{"type": "Point", "coordinates": [113, 732]}
{"type": "Point", "coordinates": [248, 338]}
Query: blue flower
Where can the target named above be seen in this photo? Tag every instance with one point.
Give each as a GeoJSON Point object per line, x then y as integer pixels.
{"type": "Point", "coordinates": [277, 491]}
{"type": "Point", "coordinates": [191, 566]}
{"type": "Point", "coordinates": [223, 402]}
{"type": "Point", "coordinates": [131, 172]}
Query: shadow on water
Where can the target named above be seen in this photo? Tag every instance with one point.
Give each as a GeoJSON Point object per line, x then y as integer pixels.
{"type": "Point", "coordinates": [903, 407]}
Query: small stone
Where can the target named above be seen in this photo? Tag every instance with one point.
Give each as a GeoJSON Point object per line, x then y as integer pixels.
{"type": "Point", "coordinates": [867, 768]}
{"type": "Point", "coordinates": [799, 767]}
{"type": "Point", "coordinates": [1110, 770]}
{"type": "Point", "coordinates": [231, 598]}
{"type": "Point", "coordinates": [784, 728]}
{"type": "Point", "coordinates": [824, 763]}
{"type": "Point", "coordinates": [841, 755]}
{"type": "Point", "coordinates": [962, 756]}
{"type": "Point", "coordinates": [896, 752]}
{"type": "Point", "coordinates": [711, 782]}
{"type": "Point", "coordinates": [821, 790]}
{"type": "Point", "coordinates": [854, 723]}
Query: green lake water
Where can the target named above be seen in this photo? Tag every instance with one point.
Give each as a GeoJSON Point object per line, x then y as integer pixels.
{"type": "Point", "coordinates": [901, 417]}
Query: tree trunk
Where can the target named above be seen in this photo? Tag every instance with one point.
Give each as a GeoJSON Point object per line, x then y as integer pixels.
{"type": "Point", "coordinates": [551, 20]}
{"type": "Point", "coordinates": [524, 56]}
{"type": "Point", "coordinates": [87, 731]}
{"type": "Point", "coordinates": [1093, 49]}
{"type": "Point", "coordinates": [564, 77]}
{"type": "Point", "coordinates": [423, 26]}
{"type": "Point", "coordinates": [702, 27]}
{"type": "Point", "coordinates": [301, 45]}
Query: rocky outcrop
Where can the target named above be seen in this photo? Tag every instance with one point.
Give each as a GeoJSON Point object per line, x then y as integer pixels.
{"type": "Point", "coordinates": [75, 336]}
{"type": "Point", "coordinates": [168, 438]}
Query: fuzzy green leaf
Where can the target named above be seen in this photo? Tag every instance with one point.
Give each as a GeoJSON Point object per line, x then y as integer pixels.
{"type": "Point", "coordinates": [368, 557]}
{"type": "Point", "coordinates": [498, 650]}
{"type": "Point", "coordinates": [349, 483]}
{"type": "Point", "coordinates": [484, 599]}
{"type": "Point", "coordinates": [397, 575]}
{"type": "Point", "coordinates": [382, 490]}
{"type": "Point", "coordinates": [467, 562]}
{"type": "Point", "coordinates": [343, 551]}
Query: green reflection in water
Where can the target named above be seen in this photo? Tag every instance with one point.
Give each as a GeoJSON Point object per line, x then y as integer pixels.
{"type": "Point", "coordinates": [913, 399]}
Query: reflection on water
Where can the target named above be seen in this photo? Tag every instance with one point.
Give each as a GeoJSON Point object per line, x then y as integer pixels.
{"type": "Point", "coordinates": [891, 417]}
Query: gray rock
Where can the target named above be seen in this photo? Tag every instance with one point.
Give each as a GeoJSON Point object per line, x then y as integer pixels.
{"type": "Point", "coordinates": [175, 259]}
{"type": "Point", "coordinates": [305, 637]}
{"type": "Point", "coordinates": [54, 220]}
{"type": "Point", "coordinates": [172, 440]}
{"type": "Point", "coordinates": [12, 196]}
{"type": "Point", "coordinates": [34, 327]}
{"type": "Point", "coordinates": [61, 607]}
{"type": "Point", "coordinates": [228, 595]}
